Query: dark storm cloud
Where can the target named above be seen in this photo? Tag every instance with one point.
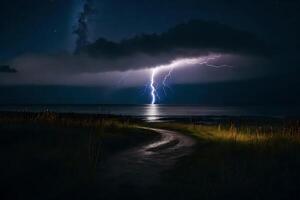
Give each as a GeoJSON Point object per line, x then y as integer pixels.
{"type": "Point", "coordinates": [184, 39]}
{"type": "Point", "coordinates": [7, 69]}
{"type": "Point", "coordinates": [195, 38]}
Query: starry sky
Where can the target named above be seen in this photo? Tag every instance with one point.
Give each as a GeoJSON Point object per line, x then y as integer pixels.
{"type": "Point", "coordinates": [89, 51]}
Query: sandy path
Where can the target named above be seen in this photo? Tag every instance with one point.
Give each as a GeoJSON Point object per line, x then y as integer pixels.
{"type": "Point", "coordinates": [141, 167]}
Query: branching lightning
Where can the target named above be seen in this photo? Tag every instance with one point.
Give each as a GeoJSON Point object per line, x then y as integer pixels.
{"type": "Point", "coordinates": [167, 76]}
{"type": "Point", "coordinates": [175, 64]}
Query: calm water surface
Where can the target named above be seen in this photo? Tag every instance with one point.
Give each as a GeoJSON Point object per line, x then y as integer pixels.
{"type": "Point", "coordinates": [154, 112]}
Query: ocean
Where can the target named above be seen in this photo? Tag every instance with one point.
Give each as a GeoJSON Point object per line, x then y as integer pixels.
{"type": "Point", "coordinates": [158, 111]}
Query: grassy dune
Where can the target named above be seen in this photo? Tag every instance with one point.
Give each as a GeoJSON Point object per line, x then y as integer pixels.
{"type": "Point", "coordinates": [271, 137]}
{"type": "Point", "coordinates": [48, 155]}
{"type": "Point", "coordinates": [239, 161]}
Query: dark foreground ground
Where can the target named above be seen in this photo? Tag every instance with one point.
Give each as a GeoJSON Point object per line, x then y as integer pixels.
{"type": "Point", "coordinates": [61, 156]}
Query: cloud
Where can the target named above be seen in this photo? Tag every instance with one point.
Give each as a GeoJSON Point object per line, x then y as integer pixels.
{"type": "Point", "coordinates": [7, 69]}
{"type": "Point", "coordinates": [194, 38]}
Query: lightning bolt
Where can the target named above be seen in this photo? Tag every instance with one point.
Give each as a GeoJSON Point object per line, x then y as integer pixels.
{"type": "Point", "coordinates": [152, 86]}
{"type": "Point", "coordinates": [175, 64]}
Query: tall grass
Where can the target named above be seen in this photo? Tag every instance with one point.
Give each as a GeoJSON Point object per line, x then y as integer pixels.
{"type": "Point", "coordinates": [242, 134]}
{"type": "Point", "coordinates": [71, 120]}
{"type": "Point", "coordinates": [239, 161]}
{"type": "Point", "coordinates": [65, 149]}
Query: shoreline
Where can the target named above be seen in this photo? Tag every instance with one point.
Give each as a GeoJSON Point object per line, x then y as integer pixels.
{"type": "Point", "coordinates": [205, 120]}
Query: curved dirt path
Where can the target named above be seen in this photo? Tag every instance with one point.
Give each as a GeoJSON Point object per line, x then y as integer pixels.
{"type": "Point", "coordinates": [140, 168]}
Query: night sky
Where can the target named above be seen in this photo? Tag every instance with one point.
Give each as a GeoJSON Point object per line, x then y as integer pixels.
{"type": "Point", "coordinates": [89, 51]}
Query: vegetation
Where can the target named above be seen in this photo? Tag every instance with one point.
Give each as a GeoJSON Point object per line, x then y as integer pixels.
{"type": "Point", "coordinates": [271, 137]}
{"type": "Point", "coordinates": [67, 120]}
{"type": "Point", "coordinates": [46, 155]}
{"type": "Point", "coordinates": [50, 155]}
{"type": "Point", "coordinates": [239, 161]}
